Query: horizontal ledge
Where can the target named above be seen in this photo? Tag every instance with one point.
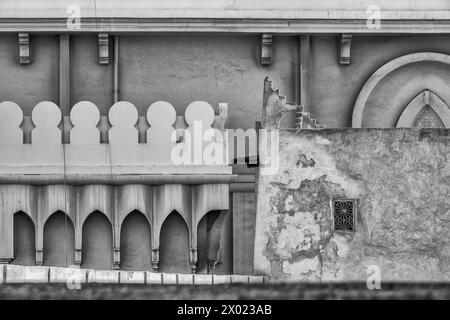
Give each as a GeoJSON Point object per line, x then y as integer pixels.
{"type": "Point", "coordinates": [35, 11]}
{"type": "Point", "coordinates": [275, 26]}
{"type": "Point", "coordinates": [85, 179]}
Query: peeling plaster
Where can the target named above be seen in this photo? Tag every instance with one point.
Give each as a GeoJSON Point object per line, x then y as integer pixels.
{"type": "Point", "coordinates": [401, 178]}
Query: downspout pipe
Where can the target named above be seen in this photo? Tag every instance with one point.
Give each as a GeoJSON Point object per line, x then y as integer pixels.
{"type": "Point", "coordinates": [116, 70]}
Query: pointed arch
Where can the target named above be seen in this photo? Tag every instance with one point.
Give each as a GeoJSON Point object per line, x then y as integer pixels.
{"type": "Point", "coordinates": [24, 243]}
{"type": "Point", "coordinates": [174, 244]}
{"type": "Point", "coordinates": [97, 242]}
{"type": "Point", "coordinates": [425, 99]}
{"type": "Point", "coordinates": [59, 240]}
{"type": "Point", "coordinates": [135, 242]}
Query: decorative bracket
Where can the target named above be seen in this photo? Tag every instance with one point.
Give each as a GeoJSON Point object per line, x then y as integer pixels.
{"type": "Point", "coordinates": [24, 48]}
{"type": "Point", "coordinates": [345, 46]}
{"type": "Point", "coordinates": [266, 49]}
{"type": "Point", "coordinates": [103, 48]}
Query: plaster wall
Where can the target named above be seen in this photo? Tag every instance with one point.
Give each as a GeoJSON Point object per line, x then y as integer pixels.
{"type": "Point", "coordinates": [335, 87]}
{"type": "Point", "coordinates": [400, 178]}
{"type": "Point", "coordinates": [214, 68]}
{"type": "Point", "coordinates": [225, 68]}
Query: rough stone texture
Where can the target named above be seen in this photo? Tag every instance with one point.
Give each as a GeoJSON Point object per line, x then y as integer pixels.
{"type": "Point", "coordinates": [221, 279]}
{"type": "Point", "coordinates": [33, 274]}
{"type": "Point", "coordinates": [66, 275]}
{"type": "Point", "coordinates": [185, 278]}
{"type": "Point", "coordinates": [132, 277]}
{"type": "Point", "coordinates": [239, 278]}
{"type": "Point", "coordinates": [2, 273]}
{"type": "Point", "coordinates": [401, 180]}
{"type": "Point", "coordinates": [203, 279]}
{"type": "Point", "coordinates": [20, 274]}
{"type": "Point", "coordinates": [103, 276]}
{"type": "Point", "coordinates": [154, 278]}
{"type": "Point", "coordinates": [169, 278]}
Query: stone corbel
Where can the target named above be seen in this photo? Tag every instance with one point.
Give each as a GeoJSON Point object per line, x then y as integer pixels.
{"type": "Point", "coordinates": [24, 48]}
{"type": "Point", "coordinates": [103, 48]}
{"type": "Point", "coordinates": [345, 48]}
{"type": "Point", "coordinates": [266, 49]}
{"type": "Point", "coordinates": [155, 259]}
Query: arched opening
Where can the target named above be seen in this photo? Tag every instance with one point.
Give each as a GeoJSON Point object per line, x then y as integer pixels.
{"type": "Point", "coordinates": [135, 243]}
{"type": "Point", "coordinates": [97, 242]}
{"type": "Point", "coordinates": [213, 244]}
{"type": "Point", "coordinates": [24, 240]}
{"type": "Point", "coordinates": [174, 245]}
{"type": "Point", "coordinates": [59, 240]}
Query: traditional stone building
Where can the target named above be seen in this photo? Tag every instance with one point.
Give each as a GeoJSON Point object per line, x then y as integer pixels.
{"type": "Point", "coordinates": [92, 91]}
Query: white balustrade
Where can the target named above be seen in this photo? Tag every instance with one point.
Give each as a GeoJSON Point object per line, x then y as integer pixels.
{"type": "Point", "coordinates": [201, 151]}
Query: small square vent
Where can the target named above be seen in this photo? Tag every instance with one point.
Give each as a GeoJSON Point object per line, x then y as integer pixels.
{"type": "Point", "coordinates": [344, 214]}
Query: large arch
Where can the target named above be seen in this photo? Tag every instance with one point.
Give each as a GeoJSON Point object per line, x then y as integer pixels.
{"type": "Point", "coordinates": [59, 240]}
{"type": "Point", "coordinates": [135, 243]}
{"type": "Point", "coordinates": [24, 239]}
{"type": "Point", "coordinates": [386, 69]}
{"type": "Point", "coordinates": [97, 242]}
{"type": "Point", "coordinates": [174, 245]}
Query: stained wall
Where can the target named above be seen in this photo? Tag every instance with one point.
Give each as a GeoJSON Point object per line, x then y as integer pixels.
{"type": "Point", "coordinates": [400, 180]}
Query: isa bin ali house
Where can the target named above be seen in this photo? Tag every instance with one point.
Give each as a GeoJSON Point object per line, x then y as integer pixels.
{"type": "Point", "coordinates": [97, 98]}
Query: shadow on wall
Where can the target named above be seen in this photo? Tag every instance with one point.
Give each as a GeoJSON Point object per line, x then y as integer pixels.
{"type": "Point", "coordinates": [97, 242]}
{"type": "Point", "coordinates": [135, 243]}
{"type": "Point", "coordinates": [174, 250]}
{"type": "Point", "coordinates": [59, 240]}
{"type": "Point", "coordinates": [24, 240]}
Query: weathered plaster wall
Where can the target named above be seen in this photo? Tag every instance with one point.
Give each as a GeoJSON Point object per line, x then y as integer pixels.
{"type": "Point", "coordinates": [214, 68]}
{"type": "Point", "coordinates": [89, 80]}
{"type": "Point", "coordinates": [401, 180]}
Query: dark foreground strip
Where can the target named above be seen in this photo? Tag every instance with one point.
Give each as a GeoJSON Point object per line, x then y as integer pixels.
{"type": "Point", "coordinates": [265, 291]}
{"type": "Point", "coordinates": [221, 309]}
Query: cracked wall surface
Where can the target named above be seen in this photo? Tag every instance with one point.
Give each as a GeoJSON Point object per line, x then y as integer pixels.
{"type": "Point", "coordinates": [401, 178]}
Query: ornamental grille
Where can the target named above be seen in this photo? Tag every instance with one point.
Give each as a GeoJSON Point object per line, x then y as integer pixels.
{"type": "Point", "coordinates": [344, 214]}
{"type": "Point", "coordinates": [428, 118]}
